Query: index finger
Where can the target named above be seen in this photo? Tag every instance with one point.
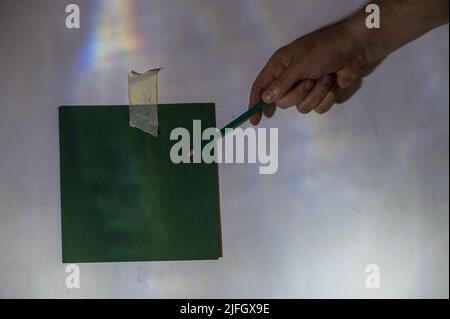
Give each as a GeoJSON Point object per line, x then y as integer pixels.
{"type": "Point", "coordinates": [270, 71]}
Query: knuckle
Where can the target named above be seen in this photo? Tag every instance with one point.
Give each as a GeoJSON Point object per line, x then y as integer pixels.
{"type": "Point", "coordinates": [279, 82]}
{"type": "Point", "coordinates": [300, 91]}
{"type": "Point", "coordinates": [354, 70]}
{"type": "Point", "coordinates": [281, 59]}
{"type": "Point", "coordinates": [282, 55]}
{"type": "Point", "coordinates": [345, 81]}
{"type": "Point", "coordinates": [256, 86]}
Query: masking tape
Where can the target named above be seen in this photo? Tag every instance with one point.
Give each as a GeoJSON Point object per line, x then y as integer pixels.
{"type": "Point", "coordinates": [143, 100]}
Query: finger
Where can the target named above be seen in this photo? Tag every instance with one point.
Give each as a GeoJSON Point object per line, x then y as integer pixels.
{"type": "Point", "coordinates": [269, 110]}
{"type": "Point", "coordinates": [328, 100]}
{"type": "Point", "coordinates": [345, 94]}
{"type": "Point", "coordinates": [281, 84]}
{"type": "Point", "coordinates": [296, 94]}
{"type": "Point", "coordinates": [317, 94]}
{"type": "Point", "coordinates": [264, 78]}
{"type": "Point", "coordinates": [346, 76]}
{"type": "Point", "coordinates": [256, 118]}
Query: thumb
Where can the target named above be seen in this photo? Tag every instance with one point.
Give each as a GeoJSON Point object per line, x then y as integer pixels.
{"type": "Point", "coordinates": [281, 85]}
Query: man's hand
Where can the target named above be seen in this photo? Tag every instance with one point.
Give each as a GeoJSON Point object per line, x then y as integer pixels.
{"type": "Point", "coordinates": [310, 72]}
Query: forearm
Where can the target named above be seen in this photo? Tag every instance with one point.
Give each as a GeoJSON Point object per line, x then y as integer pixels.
{"type": "Point", "coordinates": [401, 21]}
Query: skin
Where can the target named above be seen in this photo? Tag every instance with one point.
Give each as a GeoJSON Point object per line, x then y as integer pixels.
{"type": "Point", "coordinates": [313, 71]}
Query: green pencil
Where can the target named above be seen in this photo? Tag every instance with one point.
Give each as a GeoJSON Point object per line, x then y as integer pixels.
{"type": "Point", "coordinates": [243, 117]}
{"type": "Point", "coordinates": [235, 123]}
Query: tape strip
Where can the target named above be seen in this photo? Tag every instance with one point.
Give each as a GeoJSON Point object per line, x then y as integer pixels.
{"type": "Point", "coordinates": [143, 100]}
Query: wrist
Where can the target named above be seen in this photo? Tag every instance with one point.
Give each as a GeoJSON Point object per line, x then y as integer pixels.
{"type": "Point", "coordinates": [362, 39]}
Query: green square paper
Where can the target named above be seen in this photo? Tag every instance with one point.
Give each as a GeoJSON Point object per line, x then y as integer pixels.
{"type": "Point", "coordinates": [122, 198]}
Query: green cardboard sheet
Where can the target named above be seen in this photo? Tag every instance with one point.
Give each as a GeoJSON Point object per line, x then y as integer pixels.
{"type": "Point", "coordinates": [122, 199]}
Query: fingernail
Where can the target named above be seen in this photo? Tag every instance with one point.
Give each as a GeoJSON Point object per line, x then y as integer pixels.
{"type": "Point", "coordinates": [308, 86]}
{"type": "Point", "coordinates": [267, 96]}
{"type": "Point", "coordinates": [326, 80]}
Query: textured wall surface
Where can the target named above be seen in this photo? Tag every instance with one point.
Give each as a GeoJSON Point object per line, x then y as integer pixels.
{"type": "Point", "coordinates": [366, 183]}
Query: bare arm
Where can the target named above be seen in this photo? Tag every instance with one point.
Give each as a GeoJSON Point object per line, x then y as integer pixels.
{"type": "Point", "coordinates": [402, 22]}
{"type": "Point", "coordinates": [311, 71]}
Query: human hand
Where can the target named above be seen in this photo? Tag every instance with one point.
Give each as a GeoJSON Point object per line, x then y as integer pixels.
{"type": "Point", "coordinates": [310, 72]}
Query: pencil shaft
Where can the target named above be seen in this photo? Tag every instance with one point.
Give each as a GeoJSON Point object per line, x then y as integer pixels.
{"type": "Point", "coordinates": [243, 117]}
{"type": "Point", "coordinates": [236, 122]}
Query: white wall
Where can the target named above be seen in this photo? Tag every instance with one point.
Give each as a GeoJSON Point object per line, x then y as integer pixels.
{"type": "Point", "coordinates": [366, 183]}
